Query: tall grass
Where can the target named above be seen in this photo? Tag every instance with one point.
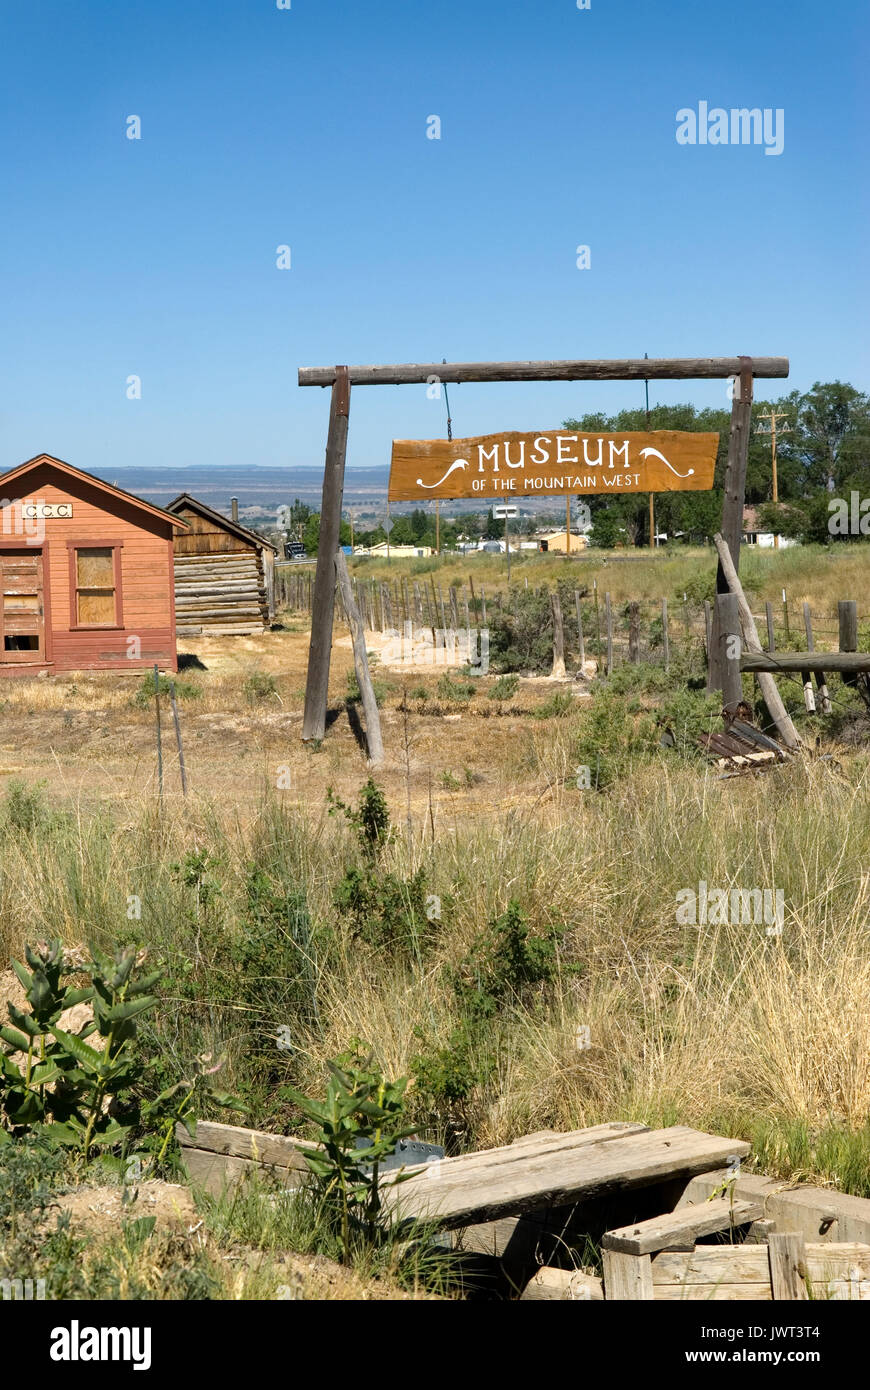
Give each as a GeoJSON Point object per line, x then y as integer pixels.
{"type": "Point", "coordinates": [723, 1027]}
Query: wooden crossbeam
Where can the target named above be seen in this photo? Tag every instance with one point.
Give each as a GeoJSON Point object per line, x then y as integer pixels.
{"type": "Point", "coordinates": [622, 369]}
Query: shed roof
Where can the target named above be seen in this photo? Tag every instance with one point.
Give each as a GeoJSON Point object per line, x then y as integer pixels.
{"type": "Point", "coordinates": [99, 483]}
{"type": "Point", "coordinates": [235, 528]}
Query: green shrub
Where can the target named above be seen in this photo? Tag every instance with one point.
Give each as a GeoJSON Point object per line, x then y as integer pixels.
{"type": "Point", "coordinates": [458, 692]}
{"type": "Point", "coordinates": [559, 704]}
{"type": "Point", "coordinates": [504, 688]}
{"type": "Point", "coordinates": [144, 694]}
{"type": "Point", "coordinates": [386, 911]}
{"type": "Point", "coordinates": [25, 805]}
{"type": "Point", "coordinates": [259, 685]}
{"type": "Point", "coordinates": [358, 1124]}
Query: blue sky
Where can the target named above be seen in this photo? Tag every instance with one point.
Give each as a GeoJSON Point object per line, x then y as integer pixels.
{"type": "Point", "coordinates": [307, 127]}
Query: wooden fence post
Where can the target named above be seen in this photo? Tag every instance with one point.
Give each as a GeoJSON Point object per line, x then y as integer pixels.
{"type": "Point", "coordinates": [597, 623]}
{"type": "Point", "coordinates": [633, 633]}
{"type": "Point", "coordinates": [558, 671]}
{"type": "Point", "coordinates": [181, 766]}
{"type": "Point", "coordinates": [821, 678]}
{"type": "Point", "coordinates": [771, 636]}
{"type": "Point", "coordinates": [159, 739]}
{"type": "Point", "coordinates": [582, 648]}
{"type": "Point", "coordinates": [323, 600]}
{"type": "Point", "coordinates": [665, 639]}
{"type": "Point", "coordinates": [608, 623]}
{"type": "Point", "coordinates": [847, 613]}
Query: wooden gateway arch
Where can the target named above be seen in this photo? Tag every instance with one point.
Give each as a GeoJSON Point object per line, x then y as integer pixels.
{"type": "Point", "coordinates": [742, 371]}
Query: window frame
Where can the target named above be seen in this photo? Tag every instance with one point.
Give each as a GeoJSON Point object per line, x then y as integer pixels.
{"type": "Point", "coordinates": [92, 543]}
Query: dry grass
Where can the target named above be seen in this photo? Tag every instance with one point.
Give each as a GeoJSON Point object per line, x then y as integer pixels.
{"type": "Point", "coordinates": [719, 1026]}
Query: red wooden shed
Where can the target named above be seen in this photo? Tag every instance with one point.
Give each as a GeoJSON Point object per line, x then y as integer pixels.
{"type": "Point", "coordinates": [86, 574]}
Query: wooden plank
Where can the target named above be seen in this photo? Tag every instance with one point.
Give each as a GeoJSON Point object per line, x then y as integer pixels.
{"type": "Point", "coordinates": [788, 1266]}
{"type": "Point", "coordinates": [679, 1230]}
{"type": "Point", "coordinates": [750, 1264]}
{"type": "Point", "coordinates": [627, 1276]}
{"type": "Point", "coordinates": [272, 1149]}
{"type": "Point", "coordinates": [549, 1285]}
{"type": "Point", "coordinates": [822, 1215]}
{"type": "Point", "coordinates": [552, 463]}
{"type": "Point", "coordinates": [454, 1197]}
{"type": "Point", "coordinates": [622, 369]}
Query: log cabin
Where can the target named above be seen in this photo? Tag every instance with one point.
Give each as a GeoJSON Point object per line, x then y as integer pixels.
{"type": "Point", "coordinates": [224, 573]}
{"type": "Point", "coordinates": [86, 574]}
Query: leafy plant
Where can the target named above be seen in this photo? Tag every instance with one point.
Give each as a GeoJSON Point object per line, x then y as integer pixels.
{"type": "Point", "coordinates": [370, 820]}
{"type": "Point", "coordinates": [386, 911]}
{"type": "Point", "coordinates": [259, 685]}
{"type": "Point", "coordinates": [459, 692]}
{"type": "Point", "coordinates": [184, 690]}
{"type": "Point", "coordinates": [504, 688]}
{"type": "Point", "coordinates": [505, 958]}
{"type": "Point", "coordinates": [358, 1124]}
{"type": "Point", "coordinates": [25, 805]}
{"type": "Point", "coordinates": [84, 1098]}
{"type": "Point", "coordinates": [559, 704]}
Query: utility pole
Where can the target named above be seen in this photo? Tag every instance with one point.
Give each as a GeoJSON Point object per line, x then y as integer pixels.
{"type": "Point", "coordinates": [772, 416]}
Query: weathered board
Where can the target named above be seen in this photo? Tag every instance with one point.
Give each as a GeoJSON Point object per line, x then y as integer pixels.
{"type": "Point", "coordinates": [464, 1191]}
{"type": "Point", "coordinates": [552, 463]}
{"type": "Point", "coordinates": [678, 1230]}
{"type": "Point", "coordinates": [724, 1272]}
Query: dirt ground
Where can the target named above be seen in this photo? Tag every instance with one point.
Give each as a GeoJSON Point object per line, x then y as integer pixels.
{"type": "Point", "coordinates": [82, 736]}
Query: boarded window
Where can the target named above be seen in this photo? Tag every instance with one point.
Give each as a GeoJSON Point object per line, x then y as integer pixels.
{"type": "Point", "coordinates": [95, 587]}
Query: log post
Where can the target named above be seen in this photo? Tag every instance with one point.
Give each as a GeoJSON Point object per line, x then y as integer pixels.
{"type": "Point", "coordinates": [374, 740]}
{"type": "Point", "coordinates": [735, 493]}
{"type": "Point", "coordinates": [323, 600]}
{"type": "Point", "coordinates": [772, 698]}
{"type": "Point", "coordinates": [726, 624]}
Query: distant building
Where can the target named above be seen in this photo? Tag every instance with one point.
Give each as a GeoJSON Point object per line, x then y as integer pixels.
{"type": "Point", "coordinates": [555, 540]}
{"type": "Point", "coordinates": [399, 551]}
{"type": "Point", "coordinates": [763, 539]}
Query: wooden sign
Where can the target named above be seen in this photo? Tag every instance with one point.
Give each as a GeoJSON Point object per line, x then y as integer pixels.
{"type": "Point", "coordinates": [553, 464]}
{"type": "Point", "coordinates": [33, 511]}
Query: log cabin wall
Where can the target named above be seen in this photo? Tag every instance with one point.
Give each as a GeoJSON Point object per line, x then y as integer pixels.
{"type": "Point", "coordinates": [221, 583]}
{"type": "Point", "coordinates": [86, 575]}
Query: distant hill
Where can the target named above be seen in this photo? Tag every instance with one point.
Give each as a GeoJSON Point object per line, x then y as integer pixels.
{"type": "Point", "coordinates": [253, 484]}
